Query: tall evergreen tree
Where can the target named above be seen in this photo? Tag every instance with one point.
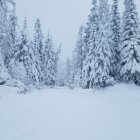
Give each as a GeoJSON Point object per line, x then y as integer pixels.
{"type": "Point", "coordinates": [11, 37]}
{"type": "Point", "coordinates": [102, 61]}
{"type": "Point", "coordinates": [93, 40]}
{"type": "Point", "coordinates": [103, 58]}
{"type": "Point", "coordinates": [49, 68]}
{"type": "Point", "coordinates": [93, 27]}
{"type": "Point", "coordinates": [130, 47]}
{"type": "Point", "coordinates": [19, 58]}
{"type": "Point", "coordinates": [3, 37]}
{"type": "Point", "coordinates": [24, 52]}
{"type": "Point", "coordinates": [78, 59]}
{"type": "Point", "coordinates": [114, 37]}
{"type": "Point", "coordinates": [38, 45]}
{"type": "Point", "coordinates": [32, 70]}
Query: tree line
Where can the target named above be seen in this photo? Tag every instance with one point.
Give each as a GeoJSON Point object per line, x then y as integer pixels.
{"type": "Point", "coordinates": [107, 50]}
{"type": "Point", "coordinates": [108, 47]}
{"type": "Point", "coordinates": [32, 62]}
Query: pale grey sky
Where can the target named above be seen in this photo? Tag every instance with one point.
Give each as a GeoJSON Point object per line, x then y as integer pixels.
{"type": "Point", "coordinates": [62, 18]}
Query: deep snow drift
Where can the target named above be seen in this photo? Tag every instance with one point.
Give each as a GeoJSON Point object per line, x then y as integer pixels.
{"type": "Point", "coordinates": [65, 114]}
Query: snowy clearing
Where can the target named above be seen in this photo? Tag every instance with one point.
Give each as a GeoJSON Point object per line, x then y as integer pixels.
{"type": "Point", "coordinates": [65, 114]}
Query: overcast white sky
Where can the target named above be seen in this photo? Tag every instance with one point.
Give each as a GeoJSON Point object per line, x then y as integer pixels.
{"type": "Point", "coordinates": [61, 18]}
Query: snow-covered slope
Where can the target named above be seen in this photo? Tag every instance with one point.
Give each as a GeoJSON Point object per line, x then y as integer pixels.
{"type": "Point", "coordinates": [65, 114]}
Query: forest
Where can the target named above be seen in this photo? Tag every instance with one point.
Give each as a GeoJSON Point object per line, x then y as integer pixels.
{"type": "Point", "coordinates": [92, 94]}
{"type": "Point", "coordinates": [107, 50]}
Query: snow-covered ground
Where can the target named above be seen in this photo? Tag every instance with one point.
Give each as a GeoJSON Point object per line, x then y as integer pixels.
{"type": "Point", "coordinates": [65, 114]}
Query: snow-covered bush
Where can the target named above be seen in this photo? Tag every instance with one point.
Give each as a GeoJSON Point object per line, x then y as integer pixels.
{"type": "Point", "coordinates": [16, 83]}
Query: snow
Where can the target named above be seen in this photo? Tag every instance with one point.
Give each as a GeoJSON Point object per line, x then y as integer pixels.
{"type": "Point", "coordinates": [65, 114]}
{"type": "Point", "coordinates": [7, 92]}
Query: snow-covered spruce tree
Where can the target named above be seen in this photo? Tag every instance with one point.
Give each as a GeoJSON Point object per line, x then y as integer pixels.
{"type": "Point", "coordinates": [94, 29]}
{"type": "Point", "coordinates": [4, 76]}
{"type": "Point", "coordinates": [91, 31]}
{"type": "Point", "coordinates": [13, 43]}
{"type": "Point", "coordinates": [11, 37]}
{"type": "Point", "coordinates": [102, 62]}
{"type": "Point", "coordinates": [114, 37]}
{"type": "Point", "coordinates": [130, 47]}
{"type": "Point", "coordinates": [78, 59]}
{"type": "Point", "coordinates": [85, 73]}
{"type": "Point", "coordinates": [86, 47]}
{"type": "Point", "coordinates": [49, 66]}
{"type": "Point", "coordinates": [28, 57]}
{"type": "Point", "coordinates": [38, 45]}
{"type": "Point", "coordinates": [14, 61]}
{"type": "Point", "coordinates": [32, 70]}
{"type": "Point", "coordinates": [20, 57]}
{"type": "Point", "coordinates": [103, 56]}
{"type": "Point", "coordinates": [26, 54]}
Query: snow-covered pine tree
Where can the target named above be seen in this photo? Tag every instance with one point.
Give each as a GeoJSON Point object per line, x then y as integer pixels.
{"type": "Point", "coordinates": [86, 48]}
{"type": "Point", "coordinates": [49, 66]}
{"type": "Point", "coordinates": [33, 70]}
{"type": "Point", "coordinates": [4, 76]}
{"type": "Point", "coordinates": [78, 59]}
{"type": "Point", "coordinates": [114, 37]}
{"type": "Point", "coordinates": [13, 65]}
{"type": "Point", "coordinates": [11, 37]}
{"type": "Point", "coordinates": [26, 54]}
{"type": "Point", "coordinates": [90, 37]}
{"type": "Point", "coordinates": [38, 45]}
{"type": "Point", "coordinates": [94, 19]}
{"type": "Point", "coordinates": [18, 64]}
{"type": "Point", "coordinates": [103, 57]}
{"type": "Point", "coordinates": [102, 61]}
{"type": "Point", "coordinates": [130, 47]}
{"type": "Point", "coordinates": [86, 36]}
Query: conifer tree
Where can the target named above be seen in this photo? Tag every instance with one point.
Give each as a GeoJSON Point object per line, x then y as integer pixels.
{"type": "Point", "coordinates": [38, 45]}
{"type": "Point", "coordinates": [114, 37]}
{"type": "Point", "coordinates": [18, 63]}
{"type": "Point", "coordinates": [25, 53]}
{"type": "Point", "coordinates": [102, 62]}
{"type": "Point", "coordinates": [93, 40]}
{"type": "Point", "coordinates": [4, 76]}
{"type": "Point", "coordinates": [11, 37]}
{"type": "Point", "coordinates": [32, 70]}
{"type": "Point", "coordinates": [130, 47]}
{"type": "Point", "coordinates": [103, 58]}
{"type": "Point", "coordinates": [49, 68]}
{"type": "Point", "coordinates": [78, 59]}
{"type": "Point", "coordinates": [91, 36]}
